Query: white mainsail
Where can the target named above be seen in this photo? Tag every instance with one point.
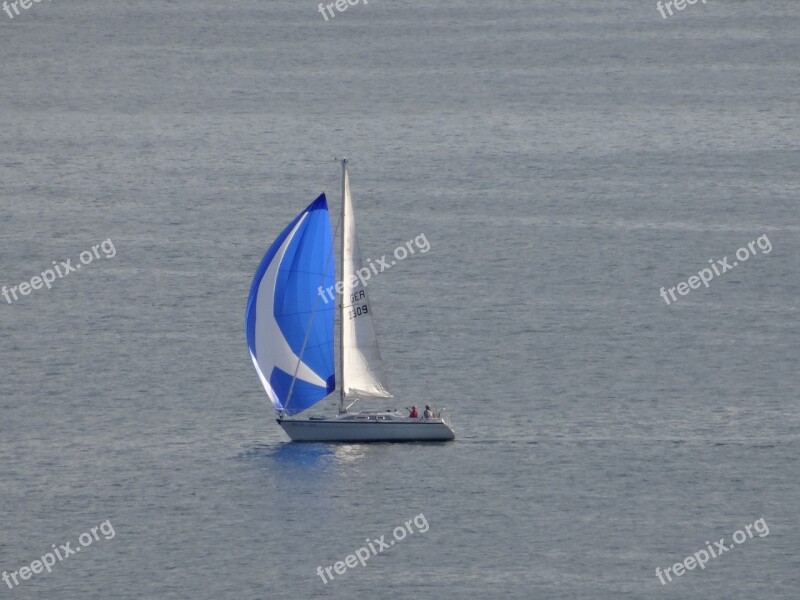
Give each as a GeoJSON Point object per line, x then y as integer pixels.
{"type": "Point", "coordinates": [362, 368]}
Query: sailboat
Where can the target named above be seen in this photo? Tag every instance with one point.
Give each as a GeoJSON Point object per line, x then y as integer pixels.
{"type": "Point", "coordinates": [290, 322]}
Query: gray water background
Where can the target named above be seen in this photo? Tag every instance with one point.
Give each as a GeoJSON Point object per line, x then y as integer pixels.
{"type": "Point", "coordinates": [564, 159]}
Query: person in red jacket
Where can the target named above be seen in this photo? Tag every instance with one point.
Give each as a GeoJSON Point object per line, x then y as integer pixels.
{"type": "Point", "coordinates": [413, 414]}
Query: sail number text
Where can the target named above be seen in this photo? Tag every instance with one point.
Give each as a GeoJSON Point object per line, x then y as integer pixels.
{"type": "Point", "coordinates": [357, 311]}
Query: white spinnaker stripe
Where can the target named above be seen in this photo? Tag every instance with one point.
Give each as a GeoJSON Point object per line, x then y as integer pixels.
{"type": "Point", "coordinates": [270, 392]}
{"type": "Point", "coordinates": [272, 349]}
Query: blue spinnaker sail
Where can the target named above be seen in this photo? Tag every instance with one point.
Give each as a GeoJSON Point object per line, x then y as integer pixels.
{"type": "Point", "coordinates": [289, 319]}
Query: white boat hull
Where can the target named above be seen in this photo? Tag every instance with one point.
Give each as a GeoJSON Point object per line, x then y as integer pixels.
{"type": "Point", "coordinates": [367, 427]}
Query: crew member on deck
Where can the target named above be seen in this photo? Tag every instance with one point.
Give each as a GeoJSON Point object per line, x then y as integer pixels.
{"type": "Point", "coordinates": [413, 414]}
{"type": "Point", "coordinates": [428, 414]}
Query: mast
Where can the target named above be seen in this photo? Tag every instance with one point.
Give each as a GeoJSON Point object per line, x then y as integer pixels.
{"type": "Point", "coordinates": [342, 408]}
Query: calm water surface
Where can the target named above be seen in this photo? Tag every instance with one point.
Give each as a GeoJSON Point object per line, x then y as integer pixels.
{"type": "Point", "coordinates": [566, 160]}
